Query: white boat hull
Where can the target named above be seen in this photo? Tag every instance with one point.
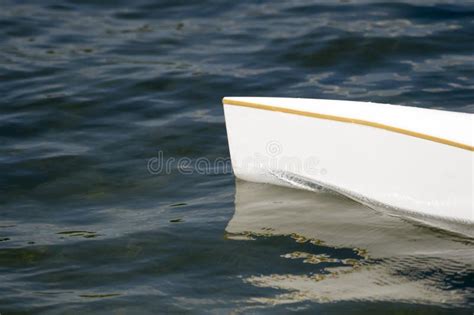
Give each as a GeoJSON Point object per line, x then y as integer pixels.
{"type": "Point", "coordinates": [388, 156]}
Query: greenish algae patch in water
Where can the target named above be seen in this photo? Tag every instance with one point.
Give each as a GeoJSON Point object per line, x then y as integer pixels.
{"type": "Point", "coordinates": [84, 234]}
{"type": "Point", "coordinates": [179, 204]}
{"type": "Point", "coordinates": [177, 220]}
{"type": "Point", "coordinates": [7, 226]}
{"type": "Point", "coordinates": [99, 296]}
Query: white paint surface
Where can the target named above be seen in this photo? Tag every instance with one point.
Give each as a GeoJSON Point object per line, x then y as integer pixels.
{"type": "Point", "coordinates": [394, 169]}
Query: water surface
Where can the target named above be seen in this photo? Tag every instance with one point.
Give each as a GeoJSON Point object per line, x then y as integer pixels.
{"type": "Point", "coordinates": [92, 90]}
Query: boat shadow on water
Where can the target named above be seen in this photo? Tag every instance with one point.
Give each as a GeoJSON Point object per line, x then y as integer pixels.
{"type": "Point", "coordinates": [394, 259]}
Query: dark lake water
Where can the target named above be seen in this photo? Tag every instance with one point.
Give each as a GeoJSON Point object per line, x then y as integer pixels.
{"type": "Point", "coordinates": [92, 91]}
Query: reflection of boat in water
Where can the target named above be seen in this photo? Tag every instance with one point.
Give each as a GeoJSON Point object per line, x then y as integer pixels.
{"type": "Point", "coordinates": [412, 160]}
{"type": "Point", "coordinates": [395, 260]}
